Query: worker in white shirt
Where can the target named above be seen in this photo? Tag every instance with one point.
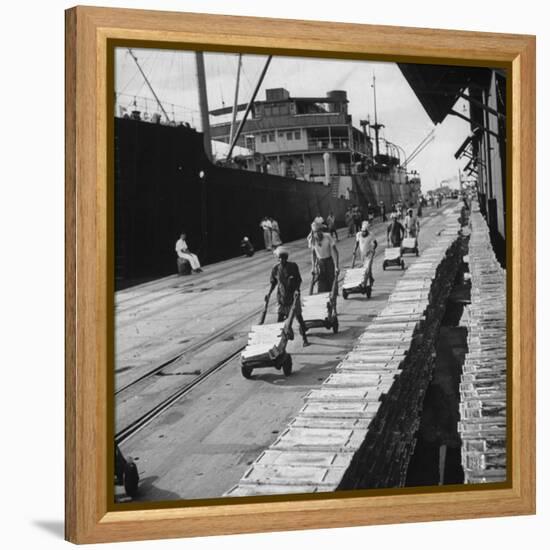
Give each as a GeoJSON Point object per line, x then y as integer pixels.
{"type": "Point", "coordinates": [366, 243]}
{"type": "Point", "coordinates": [412, 225]}
{"type": "Point", "coordinates": [182, 250]}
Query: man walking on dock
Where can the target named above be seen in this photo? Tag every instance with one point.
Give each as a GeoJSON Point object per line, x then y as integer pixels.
{"type": "Point", "coordinates": [367, 244]}
{"type": "Point", "coordinates": [324, 258]}
{"type": "Point", "coordinates": [412, 225]}
{"type": "Point", "coordinates": [395, 232]}
{"type": "Point", "coordinates": [286, 277]}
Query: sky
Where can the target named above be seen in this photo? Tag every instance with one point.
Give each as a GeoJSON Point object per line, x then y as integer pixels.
{"type": "Point", "coordinates": [172, 75]}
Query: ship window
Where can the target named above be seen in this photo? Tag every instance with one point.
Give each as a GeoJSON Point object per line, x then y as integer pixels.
{"type": "Point", "coordinates": [289, 136]}
{"type": "Point", "coordinates": [297, 134]}
{"type": "Point", "coordinates": [264, 138]}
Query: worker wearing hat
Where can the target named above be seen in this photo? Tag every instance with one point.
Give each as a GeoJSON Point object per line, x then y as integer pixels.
{"type": "Point", "coordinates": [324, 257]}
{"type": "Point", "coordinates": [286, 277]}
{"type": "Point", "coordinates": [412, 225]}
{"type": "Point", "coordinates": [366, 243]}
{"type": "Point", "coordinates": [395, 231]}
{"type": "Point", "coordinates": [247, 248]}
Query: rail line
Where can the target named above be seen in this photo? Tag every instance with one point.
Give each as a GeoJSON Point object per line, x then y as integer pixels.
{"type": "Point", "coordinates": [158, 409]}
{"type": "Point", "coordinates": [190, 349]}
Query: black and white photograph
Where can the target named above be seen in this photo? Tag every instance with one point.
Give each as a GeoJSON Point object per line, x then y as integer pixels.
{"type": "Point", "coordinates": [309, 275]}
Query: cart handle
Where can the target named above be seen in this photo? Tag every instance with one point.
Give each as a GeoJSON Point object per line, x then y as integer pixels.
{"type": "Point", "coordinates": [295, 305]}
{"type": "Point", "coordinates": [264, 311]}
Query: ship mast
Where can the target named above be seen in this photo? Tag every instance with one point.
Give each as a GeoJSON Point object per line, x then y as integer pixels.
{"type": "Point", "coordinates": [236, 100]}
{"type": "Point", "coordinates": [248, 108]}
{"type": "Point", "coordinates": [376, 127]}
{"type": "Point", "coordinates": [203, 104]}
{"type": "Point", "coordinates": [149, 85]}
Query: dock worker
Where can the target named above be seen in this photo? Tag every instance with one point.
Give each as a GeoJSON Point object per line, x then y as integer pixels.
{"type": "Point", "coordinates": [324, 258]}
{"type": "Point", "coordinates": [412, 225]}
{"type": "Point", "coordinates": [331, 226]}
{"type": "Point", "coordinates": [275, 233]}
{"type": "Point", "coordinates": [265, 224]}
{"type": "Point", "coordinates": [366, 243]}
{"type": "Point", "coordinates": [395, 232]}
{"type": "Point", "coordinates": [183, 252]}
{"type": "Point", "coordinates": [286, 277]}
{"type": "Point", "coordinates": [349, 221]}
{"type": "Point", "coordinates": [383, 211]}
{"type": "Point", "coordinates": [247, 248]}
{"type": "Point", "coordinates": [357, 217]}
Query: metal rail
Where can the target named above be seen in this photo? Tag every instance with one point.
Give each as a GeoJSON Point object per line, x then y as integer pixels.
{"type": "Point", "coordinates": [142, 421]}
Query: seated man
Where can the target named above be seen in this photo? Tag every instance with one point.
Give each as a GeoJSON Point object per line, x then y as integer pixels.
{"type": "Point", "coordinates": [183, 253]}
{"type": "Point", "coordinates": [246, 247]}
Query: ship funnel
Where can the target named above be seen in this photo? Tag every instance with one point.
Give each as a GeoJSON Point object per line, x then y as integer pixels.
{"type": "Point", "coordinates": [339, 103]}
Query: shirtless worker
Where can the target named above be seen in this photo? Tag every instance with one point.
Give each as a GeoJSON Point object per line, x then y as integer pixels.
{"type": "Point", "coordinates": [286, 277]}
{"type": "Point", "coordinates": [324, 257]}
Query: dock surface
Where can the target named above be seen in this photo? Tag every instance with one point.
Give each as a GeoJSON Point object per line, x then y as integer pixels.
{"type": "Point", "coordinates": [182, 327]}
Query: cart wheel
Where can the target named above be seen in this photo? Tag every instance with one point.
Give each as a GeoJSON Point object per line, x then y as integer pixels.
{"type": "Point", "coordinates": [246, 371]}
{"type": "Point", "coordinates": [402, 264]}
{"type": "Point", "coordinates": [369, 291]}
{"type": "Point", "coordinates": [287, 365]}
{"type": "Point", "coordinates": [335, 325]}
{"type": "Point", "coordinates": [345, 294]}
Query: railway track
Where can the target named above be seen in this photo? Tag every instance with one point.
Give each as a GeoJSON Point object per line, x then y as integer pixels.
{"type": "Point", "coordinates": [161, 407]}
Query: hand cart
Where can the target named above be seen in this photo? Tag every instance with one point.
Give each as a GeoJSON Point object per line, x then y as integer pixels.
{"type": "Point", "coordinates": [266, 345]}
{"type": "Point", "coordinates": [319, 310]}
{"type": "Point", "coordinates": [393, 257]}
{"type": "Point", "coordinates": [358, 280]}
{"type": "Point", "coordinates": [409, 245]}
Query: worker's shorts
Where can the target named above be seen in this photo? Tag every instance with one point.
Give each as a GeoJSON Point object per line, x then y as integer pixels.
{"type": "Point", "coordinates": [326, 275]}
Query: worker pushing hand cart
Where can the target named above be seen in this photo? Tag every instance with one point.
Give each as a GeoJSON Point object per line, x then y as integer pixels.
{"type": "Point", "coordinates": [360, 280]}
{"type": "Point", "coordinates": [319, 310]}
{"type": "Point", "coordinates": [266, 346]}
{"type": "Point", "coordinates": [409, 244]}
{"type": "Point", "coordinates": [395, 235]}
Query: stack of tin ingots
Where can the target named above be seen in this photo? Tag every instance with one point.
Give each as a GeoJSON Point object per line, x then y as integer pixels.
{"type": "Point", "coordinates": [357, 430]}
{"type": "Point", "coordinates": [482, 425]}
{"type": "Point", "coordinates": [315, 306]}
{"type": "Point", "coordinates": [265, 342]}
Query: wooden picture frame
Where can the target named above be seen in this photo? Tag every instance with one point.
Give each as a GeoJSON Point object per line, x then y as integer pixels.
{"type": "Point", "coordinates": [89, 517]}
